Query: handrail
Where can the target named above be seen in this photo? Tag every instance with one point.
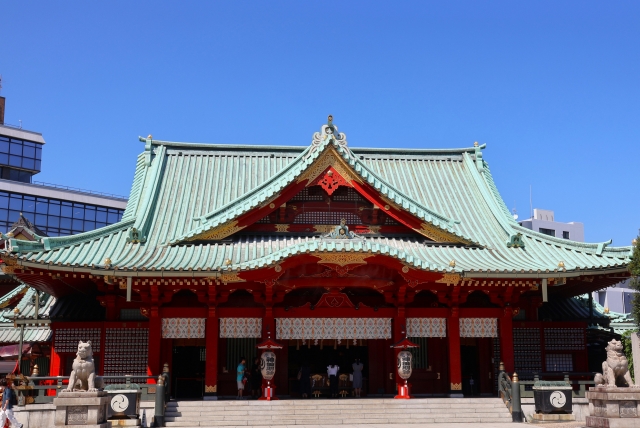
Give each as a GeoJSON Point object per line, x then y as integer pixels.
{"type": "Point", "coordinates": [504, 387]}
{"type": "Point", "coordinates": [77, 189]}
{"type": "Point", "coordinates": [509, 390]}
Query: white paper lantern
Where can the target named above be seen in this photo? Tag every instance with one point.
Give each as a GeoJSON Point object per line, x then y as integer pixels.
{"type": "Point", "coordinates": [268, 365]}
{"type": "Point", "coordinates": [404, 364]}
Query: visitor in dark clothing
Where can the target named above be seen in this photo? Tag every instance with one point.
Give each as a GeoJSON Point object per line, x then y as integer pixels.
{"type": "Point", "coordinates": [256, 378]}
{"type": "Point", "coordinates": [305, 380]}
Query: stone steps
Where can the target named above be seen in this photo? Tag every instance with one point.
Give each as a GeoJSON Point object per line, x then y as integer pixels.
{"type": "Point", "coordinates": [335, 412]}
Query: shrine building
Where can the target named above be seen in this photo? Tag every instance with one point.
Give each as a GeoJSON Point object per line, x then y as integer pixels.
{"type": "Point", "coordinates": [334, 252]}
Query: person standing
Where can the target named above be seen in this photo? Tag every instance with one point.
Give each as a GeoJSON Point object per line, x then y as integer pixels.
{"type": "Point", "coordinates": [332, 371]}
{"type": "Point", "coordinates": [304, 375]}
{"type": "Point", "coordinates": [357, 376]}
{"type": "Point", "coordinates": [255, 378]}
{"type": "Point", "coordinates": [240, 373]}
{"type": "Point", "coordinates": [7, 405]}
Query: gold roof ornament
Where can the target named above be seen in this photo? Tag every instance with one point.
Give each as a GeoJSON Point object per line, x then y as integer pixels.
{"type": "Point", "coordinates": [606, 310]}
{"type": "Point", "coordinates": [9, 235]}
{"type": "Point", "coordinates": [149, 137]}
{"type": "Point", "coordinates": [107, 262]}
{"type": "Point", "coordinates": [475, 144]}
{"type": "Point", "coordinates": [634, 241]}
{"type": "Point", "coordinates": [227, 262]}
{"type": "Point", "coordinates": [561, 265]}
{"type": "Point", "coordinates": [452, 263]}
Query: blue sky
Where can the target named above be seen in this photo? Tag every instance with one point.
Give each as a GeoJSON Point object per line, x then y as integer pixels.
{"type": "Point", "coordinates": [552, 88]}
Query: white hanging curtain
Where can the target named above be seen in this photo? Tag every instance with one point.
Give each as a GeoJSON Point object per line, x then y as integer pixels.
{"type": "Point", "coordinates": [333, 328]}
{"type": "Point", "coordinates": [240, 327]}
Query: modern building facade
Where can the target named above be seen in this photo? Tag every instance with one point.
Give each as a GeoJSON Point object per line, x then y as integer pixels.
{"type": "Point", "coordinates": [55, 210]}
{"type": "Point", "coordinates": [543, 221]}
{"type": "Point", "coordinates": [335, 253]}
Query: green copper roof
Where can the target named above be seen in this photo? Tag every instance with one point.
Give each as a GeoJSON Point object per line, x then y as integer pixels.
{"type": "Point", "coordinates": [270, 188]}
{"type": "Point", "coordinates": [182, 189]}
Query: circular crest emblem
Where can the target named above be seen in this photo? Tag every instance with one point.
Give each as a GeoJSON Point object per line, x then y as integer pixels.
{"type": "Point", "coordinates": [119, 403]}
{"type": "Point", "coordinates": [558, 399]}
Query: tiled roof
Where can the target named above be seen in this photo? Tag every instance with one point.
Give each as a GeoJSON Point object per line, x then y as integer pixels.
{"type": "Point", "coordinates": [26, 308]}
{"type": "Point", "coordinates": [11, 334]}
{"type": "Point", "coordinates": [182, 189]}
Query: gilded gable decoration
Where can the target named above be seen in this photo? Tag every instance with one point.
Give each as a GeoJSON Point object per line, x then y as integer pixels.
{"type": "Point", "coordinates": [342, 259]}
{"type": "Point", "coordinates": [342, 232]}
{"type": "Point", "coordinates": [328, 133]}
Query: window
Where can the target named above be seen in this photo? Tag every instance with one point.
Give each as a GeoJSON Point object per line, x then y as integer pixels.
{"type": "Point", "coordinates": [565, 234]}
{"type": "Point", "coordinates": [52, 216]}
{"type": "Point", "coordinates": [559, 362]}
{"type": "Point", "coordinates": [20, 154]}
{"type": "Point", "coordinates": [237, 348]}
{"type": "Point", "coordinates": [419, 354]}
{"type": "Point", "coordinates": [549, 232]}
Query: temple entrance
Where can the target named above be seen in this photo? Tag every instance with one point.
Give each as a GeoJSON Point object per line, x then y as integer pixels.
{"type": "Point", "coordinates": [476, 367]}
{"type": "Point", "coordinates": [319, 358]}
{"type": "Point", "coordinates": [187, 380]}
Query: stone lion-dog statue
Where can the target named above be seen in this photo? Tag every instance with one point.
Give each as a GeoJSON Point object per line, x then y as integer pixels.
{"type": "Point", "coordinates": [615, 371]}
{"type": "Point", "coordinates": [83, 376]}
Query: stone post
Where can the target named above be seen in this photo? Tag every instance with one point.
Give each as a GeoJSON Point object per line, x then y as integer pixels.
{"type": "Point", "coordinates": [516, 405]}
{"type": "Point", "coordinates": [635, 348]}
{"type": "Point", "coordinates": [88, 409]}
{"type": "Point", "coordinates": [158, 418]}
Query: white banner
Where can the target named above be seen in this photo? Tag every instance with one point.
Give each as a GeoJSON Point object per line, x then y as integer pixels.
{"type": "Point", "coordinates": [333, 328]}
{"type": "Point", "coordinates": [240, 327]}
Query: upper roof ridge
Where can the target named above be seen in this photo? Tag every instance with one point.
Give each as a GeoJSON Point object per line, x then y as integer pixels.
{"type": "Point", "coordinates": [224, 218]}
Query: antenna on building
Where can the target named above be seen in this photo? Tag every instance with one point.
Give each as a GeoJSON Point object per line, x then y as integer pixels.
{"type": "Point", "coordinates": [515, 212]}
{"type": "Point", "coordinates": [530, 202]}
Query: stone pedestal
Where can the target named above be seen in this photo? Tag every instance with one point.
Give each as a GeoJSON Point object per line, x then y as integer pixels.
{"type": "Point", "coordinates": [552, 417]}
{"type": "Point", "coordinates": [613, 407]}
{"type": "Point", "coordinates": [87, 409]}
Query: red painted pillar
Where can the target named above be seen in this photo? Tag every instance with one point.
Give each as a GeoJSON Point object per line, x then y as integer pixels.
{"type": "Point", "coordinates": [212, 332]}
{"type": "Point", "coordinates": [455, 363]}
{"type": "Point", "coordinates": [112, 313]}
{"type": "Point", "coordinates": [506, 339]}
{"type": "Point", "coordinates": [55, 365]}
{"type": "Point", "coordinates": [154, 367]}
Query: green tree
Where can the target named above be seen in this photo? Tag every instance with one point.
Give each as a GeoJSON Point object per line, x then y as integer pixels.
{"type": "Point", "coordinates": [628, 351]}
{"type": "Point", "coordinates": [634, 269]}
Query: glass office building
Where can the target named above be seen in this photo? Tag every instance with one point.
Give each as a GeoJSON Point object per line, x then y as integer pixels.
{"type": "Point", "coordinates": [19, 159]}
{"type": "Point", "coordinates": [55, 217]}
{"type": "Point", "coordinates": [56, 211]}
